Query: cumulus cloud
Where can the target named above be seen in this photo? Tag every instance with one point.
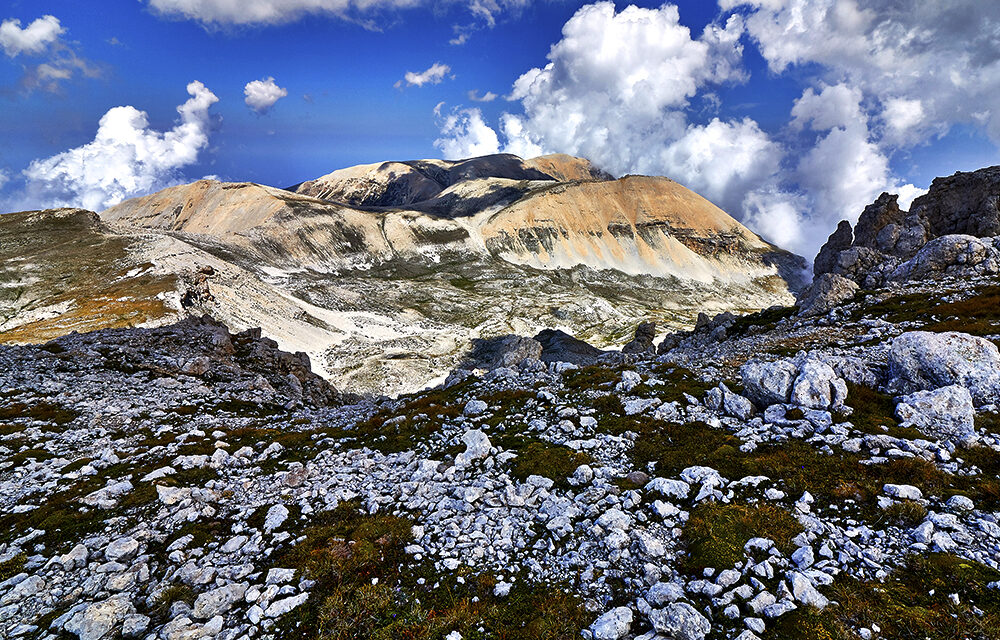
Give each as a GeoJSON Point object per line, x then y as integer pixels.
{"type": "Point", "coordinates": [465, 135]}
{"type": "Point", "coordinates": [928, 65]}
{"type": "Point", "coordinates": [435, 74]}
{"type": "Point", "coordinates": [262, 94]}
{"type": "Point", "coordinates": [125, 159]}
{"type": "Point", "coordinates": [33, 39]}
{"type": "Point", "coordinates": [42, 37]}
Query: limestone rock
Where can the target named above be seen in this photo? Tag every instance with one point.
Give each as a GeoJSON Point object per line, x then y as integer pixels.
{"type": "Point", "coordinates": [101, 620]}
{"type": "Point", "coordinates": [680, 621]}
{"type": "Point", "coordinates": [613, 625]}
{"type": "Point", "coordinates": [839, 240]}
{"type": "Point", "coordinates": [642, 343]}
{"type": "Point", "coordinates": [921, 361]}
{"type": "Point", "coordinates": [503, 351]}
{"type": "Point", "coordinates": [946, 414]}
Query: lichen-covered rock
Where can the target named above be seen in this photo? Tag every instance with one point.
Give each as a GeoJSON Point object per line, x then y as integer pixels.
{"type": "Point", "coordinates": [825, 293]}
{"type": "Point", "coordinates": [767, 383]}
{"type": "Point", "coordinates": [680, 621]}
{"type": "Point", "coordinates": [923, 361]}
{"type": "Point", "coordinates": [613, 625]}
{"type": "Point", "coordinates": [946, 414]}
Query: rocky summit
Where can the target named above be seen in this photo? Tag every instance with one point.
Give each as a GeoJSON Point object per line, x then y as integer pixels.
{"type": "Point", "coordinates": [385, 274]}
{"type": "Point", "coordinates": [828, 470]}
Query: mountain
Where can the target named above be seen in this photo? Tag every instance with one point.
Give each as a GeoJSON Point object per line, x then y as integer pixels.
{"type": "Point", "coordinates": [385, 273]}
{"type": "Point", "coordinates": [826, 471]}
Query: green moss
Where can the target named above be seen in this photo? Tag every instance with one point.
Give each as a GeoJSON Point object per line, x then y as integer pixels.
{"type": "Point", "coordinates": [12, 567]}
{"type": "Point", "coordinates": [715, 534]}
{"type": "Point", "coordinates": [366, 588]}
{"type": "Point", "coordinates": [912, 604]}
{"type": "Point", "coordinates": [553, 461]}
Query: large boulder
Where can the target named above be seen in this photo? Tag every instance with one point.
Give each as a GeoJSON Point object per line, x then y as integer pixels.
{"type": "Point", "coordinates": [613, 625]}
{"type": "Point", "coordinates": [680, 621]}
{"type": "Point", "coordinates": [924, 361]}
{"type": "Point", "coordinates": [503, 351]}
{"type": "Point", "coordinates": [946, 414]}
{"type": "Point", "coordinates": [767, 383]}
{"type": "Point", "coordinates": [804, 380]}
{"type": "Point", "coordinates": [826, 292]}
{"type": "Point", "coordinates": [559, 346]}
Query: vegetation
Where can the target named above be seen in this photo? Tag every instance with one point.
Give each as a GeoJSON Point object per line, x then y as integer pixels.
{"type": "Point", "coordinates": [716, 534]}
{"type": "Point", "coordinates": [365, 589]}
{"type": "Point", "coordinates": [978, 314]}
{"type": "Point", "coordinates": [914, 603]}
{"type": "Point", "coordinates": [12, 567]}
{"type": "Point", "coordinates": [553, 461]}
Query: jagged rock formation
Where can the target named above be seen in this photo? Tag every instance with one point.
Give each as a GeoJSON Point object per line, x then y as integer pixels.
{"type": "Point", "coordinates": [953, 229]}
{"type": "Point", "coordinates": [385, 274]}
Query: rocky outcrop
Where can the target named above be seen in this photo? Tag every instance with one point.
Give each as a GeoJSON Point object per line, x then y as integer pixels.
{"type": "Point", "coordinates": [825, 293]}
{"type": "Point", "coordinates": [801, 381]}
{"type": "Point", "coordinates": [559, 346]}
{"type": "Point", "coordinates": [642, 343]}
{"type": "Point", "coordinates": [503, 351]}
{"type": "Point", "coordinates": [948, 231]}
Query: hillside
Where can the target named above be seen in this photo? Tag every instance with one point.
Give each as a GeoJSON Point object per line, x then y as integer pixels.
{"type": "Point", "coordinates": [829, 470]}
{"type": "Point", "coordinates": [385, 274]}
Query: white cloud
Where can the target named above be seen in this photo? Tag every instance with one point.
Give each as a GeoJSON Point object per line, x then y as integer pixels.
{"type": "Point", "coordinates": [262, 12]}
{"type": "Point", "coordinates": [465, 135]}
{"type": "Point", "coordinates": [34, 39]}
{"type": "Point", "coordinates": [489, 96]}
{"type": "Point", "coordinates": [262, 94]}
{"type": "Point", "coordinates": [435, 74]}
{"type": "Point", "coordinates": [929, 64]}
{"type": "Point", "coordinates": [4, 178]}
{"type": "Point", "coordinates": [125, 159]}
{"type": "Point", "coordinates": [834, 106]}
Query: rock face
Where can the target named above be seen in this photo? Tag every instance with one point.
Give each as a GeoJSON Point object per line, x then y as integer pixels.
{"type": "Point", "coordinates": [825, 293]}
{"type": "Point", "coordinates": [924, 361]}
{"type": "Point", "coordinates": [949, 230]}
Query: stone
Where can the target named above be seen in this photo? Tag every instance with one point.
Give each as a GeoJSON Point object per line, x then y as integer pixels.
{"type": "Point", "coordinates": [135, 625]}
{"type": "Point", "coordinates": [946, 414]}
{"type": "Point", "coordinates": [961, 504]}
{"type": "Point", "coordinates": [612, 625]}
{"type": "Point", "coordinates": [873, 221]}
{"type": "Point", "coordinates": [805, 593]}
{"type": "Point", "coordinates": [924, 361]}
{"type": "Point", "coordinates": [663, 593]}
{"type": "Point", "coordinates": [827, 291]}
{"type": "Point", "coordinates": [734, 404]}
{"type": "Point", "coordinates": [676, 489]}
{"type": "Point", "coordinates": [953, 255]}
{"type": "Point", "coordinates": [767, 383]}
{"type": "Point", "coordinates": [680, 621]}
{"type": "Point", "coordinates": [121, 550]}
{"type": "Point", "coordinates": [477, 447]}
{"type": "Point", "coordinates": [218, 601]}
{"type": "Point", "coordinates": [76, 558]}
{"type": "Point", "coordinates": [614, 518]}
{"type": "Point", "coordinates": [817, 386]}
{"type": "Point", "coordinates": [279, 608]}
{"type": "Point", "coordinates": [903, 492]}
{"type": "Point", "coordinates": [101, 620]}
{"type": "Point", "coordinates": [275, 517]}
{"type": "Point", "coordinates": [966, 202]}
{"type": "Point", "coordinates": [474, 408]}
{"type": "Point", "coordinates": [559, 346]}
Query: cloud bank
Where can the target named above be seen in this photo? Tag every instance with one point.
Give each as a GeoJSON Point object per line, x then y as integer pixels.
{"type": "Point", "coordinates": [33, 39]}
{"type": "Point", "coordinates": [636, 92]}
{"type": "Point", "coordinates": [126, 158]}
{"type": "Point", "coordinates": [261, 95]}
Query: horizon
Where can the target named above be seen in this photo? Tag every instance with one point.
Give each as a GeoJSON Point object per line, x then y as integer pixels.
{"type": "Point", "coordinates": [736, 100]}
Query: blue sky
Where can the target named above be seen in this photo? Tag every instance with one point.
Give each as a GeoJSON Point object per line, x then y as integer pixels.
{"type": "Point", "coordinates": [791, 115]}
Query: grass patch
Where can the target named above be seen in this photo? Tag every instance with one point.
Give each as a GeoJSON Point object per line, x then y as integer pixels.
{"type": "Point", "coordinates": [553, 461]}
{"type": "Point", "coordinates": [912, 604]}
{"type": "Point", "coordinates": [173, 593]}
{"type": "Point", "coordinates": [365, 589]}
{"type": "Point", "coordinates": [715, 534]}
{"type": "Point", "coordinates": [41, 411]}
{"type": "Point", "coordinates": [875, 413]}
{"type": "Point", "coordinates": [977, 315]}
{"type": "Point", "coordinates": [763, 318]}
{"type": "Point", "coordinates": [12, 567]}
{"type": "Point", "coordinates": [591, 377]}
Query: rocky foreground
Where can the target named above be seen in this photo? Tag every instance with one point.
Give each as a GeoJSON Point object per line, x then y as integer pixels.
{"type": "Point", "coordinates": [824, 471]}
